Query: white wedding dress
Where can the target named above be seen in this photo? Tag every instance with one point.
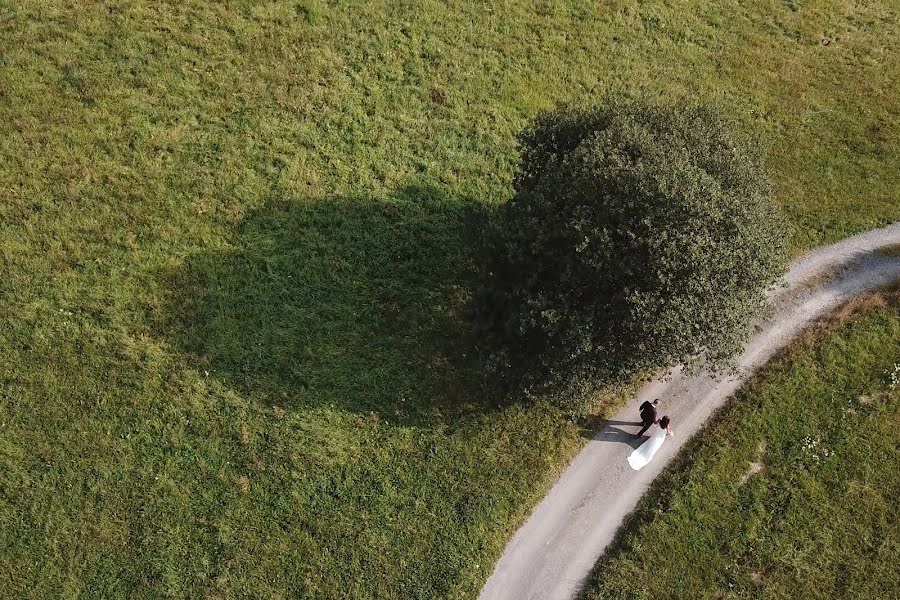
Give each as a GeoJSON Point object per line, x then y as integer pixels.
{"type": "Point", "coordinates": [644, 454]}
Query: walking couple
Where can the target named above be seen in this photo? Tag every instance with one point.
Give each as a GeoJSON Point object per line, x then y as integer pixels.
{"type": "Point", "coordinates": [643, 454]}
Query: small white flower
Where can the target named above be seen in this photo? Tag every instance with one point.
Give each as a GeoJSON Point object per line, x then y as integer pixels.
{"type": "Point", "coordinates": [893, 377]}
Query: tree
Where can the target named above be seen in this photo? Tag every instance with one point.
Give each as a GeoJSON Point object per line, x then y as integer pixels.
{"type": "Point", "coordinates": [640, 236]}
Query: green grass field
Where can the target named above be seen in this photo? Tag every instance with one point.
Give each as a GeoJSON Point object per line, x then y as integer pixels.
{"type": "Point", "coordinates": [791, 493]}
{"type": "Point", "coordinates": [235, 247]}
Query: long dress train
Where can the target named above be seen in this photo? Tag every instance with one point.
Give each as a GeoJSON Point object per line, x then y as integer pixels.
{"type": "Point", "coordinates": [644, 454]}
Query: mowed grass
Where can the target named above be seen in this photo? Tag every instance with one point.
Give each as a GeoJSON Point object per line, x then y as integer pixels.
{"type": "Point", "coordinates": [236, 247]}
{"type": "Point", "coordinates": [791, 493]}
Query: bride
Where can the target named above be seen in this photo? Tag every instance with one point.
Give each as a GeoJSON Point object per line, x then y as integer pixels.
{"type": "Point", "coordinates": [640, 457]}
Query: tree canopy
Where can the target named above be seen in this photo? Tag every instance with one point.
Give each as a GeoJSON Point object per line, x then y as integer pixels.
{"type": "Point", "coordinates": [640, 235]}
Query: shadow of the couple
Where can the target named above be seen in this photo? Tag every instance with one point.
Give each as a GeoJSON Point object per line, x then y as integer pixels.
{"type": "Point", "coordinates": [610, 433]}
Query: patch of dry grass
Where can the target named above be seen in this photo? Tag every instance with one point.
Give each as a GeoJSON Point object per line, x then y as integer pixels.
{"type": "Point", "coordinates": [893, 250]}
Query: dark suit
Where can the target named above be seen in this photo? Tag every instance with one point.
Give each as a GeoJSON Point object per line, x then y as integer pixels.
{"type": "Point", "coordinates": [648, 416]}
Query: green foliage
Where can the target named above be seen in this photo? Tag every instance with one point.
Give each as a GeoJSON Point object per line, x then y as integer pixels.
{"type": "Point", "coordinates": [281, 415]}
{"type": "Point", "coordinates": [640, 235]}
{"type": "Point", "coordinates": [233, 245]}
{"type": "Point", "coordinates": [791, 493]}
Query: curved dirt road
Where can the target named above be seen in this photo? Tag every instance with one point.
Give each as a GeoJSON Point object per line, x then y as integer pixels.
{"type": "Point", "coordinates": [552, 554]}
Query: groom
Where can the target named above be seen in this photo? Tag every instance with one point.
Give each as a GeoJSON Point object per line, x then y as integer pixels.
{"type": "Point", "coordinates": [648, 415]}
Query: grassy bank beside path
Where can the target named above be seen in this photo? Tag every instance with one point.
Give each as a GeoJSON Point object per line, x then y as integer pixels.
{"type": "Point", "coordinates": [235, 248]}
{"type": "Point", "coordinates": [791, 492]}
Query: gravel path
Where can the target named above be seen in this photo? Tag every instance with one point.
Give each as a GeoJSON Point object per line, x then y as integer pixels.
{"type": "Point", "coordinates": [552, 554]}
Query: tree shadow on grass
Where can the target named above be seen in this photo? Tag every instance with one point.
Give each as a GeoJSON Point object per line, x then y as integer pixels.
{"type": "Point", "coordinates": [349, 302]}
